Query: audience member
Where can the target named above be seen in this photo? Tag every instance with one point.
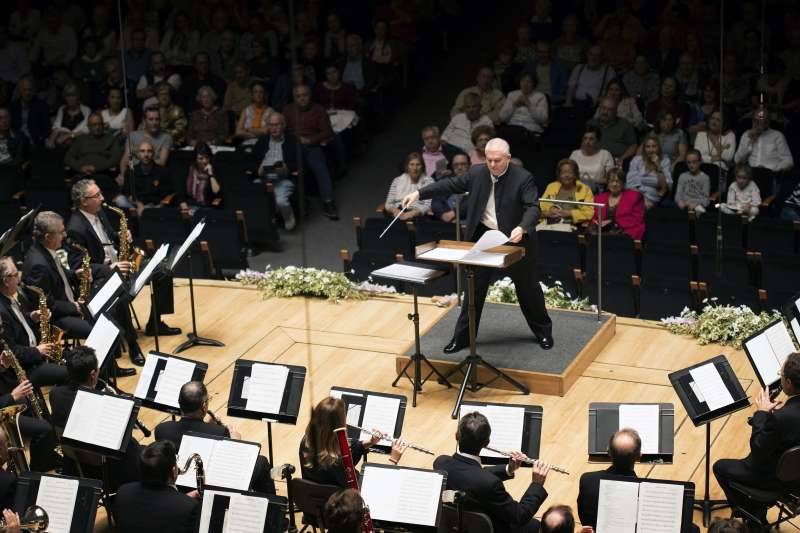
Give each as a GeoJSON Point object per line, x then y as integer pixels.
{"type": "Point", "coordinates": [89, 65]}
{"type": "Point", "coordinates": [672, 139]}
{"type": "Point", "coordinates": [523, 47]}
{"type": "Point", "coordinates": [668, 102]}
{"type": "Point", "coordinates": [70, 119]}
{"type": "Point", "coordinates": [587, 80]}
{"type": "Point", "coordinates": [203, 188]}
{"type": "Point", "coordinates": [693, 189]}
{"type": "Point", "coordinates": [567, 187]}
{"type": "Point", "coordinates": [491, 98]}
{"type": "Point", "coordinates": [253, 119]}
{"type": "Point", "coordinates": [791, 205]}
{"type": "Point", "coordinates": [627, 107]}
{"type": "Point", "coordinates": [335, 39]}
{"type": "Point", "coordinates": [238, 94]}
{"type": "Point", "coordinates": [56, 45]}
{"type": "Point", "coordinates": [258, 33]}
{"type": "Point", "coordinates": [687, 77]}
{"type": "Point", "coordinates": [525, 111]}
{"type": "Point", "coordinates": [558, 519]}
{"type": "Point", "coordinates": [29, 114]}
{"type": "Point", "coordinates": [214, 28]}
{"type": "Point", "coordinates": [700, 111]}
{"type": "Point", "coordinates": [151, 133]}
{"type": "Point", "coordinates": [551, 73]}
{"type": "Point", "coordinates": [616, 134]}
{"type": "Point", "coordinates": [716, 145]}
{"type": "Point", "coordinates": [173, 118]}
{"type": "Point", "coordinates": [664, 58]}
{"type": "Point", "coordinates": [459, 131]}
{"type": "Point", "coordinates": [180, 42]}
{"type": "Point", "coordinates": [276, 154]}
{"type": "Point", "coordinates": [24, 21]}
{"type": "Point", "coordinates": [650, 173]}
{"type": "Point", "coordinates": [209, 123]}
{"type": "Point", "coordinates": [541, 22]}
{"type": "Point", "coordinates": [480, 136]}
{"type": "Point", "coordinates": [157, 73]}
{"type": "Point", "coordinates": [767, 153]}
{"type": "Point", "coordinates": [117, 118]}
{"type": "Point", "coordinates": [624, 208]}
{"type": "Point", "coordinates": [744, 197]}
{"type": "Point", "coordinates": [570, 47]}
{"type": "Point", "coordinates": [641, 82]}
{"type": "Point", "coordinates": [225, 58]}
{"type": "Point", "coordinates": [13, 147]}
{"type": "Point", "coordinates": [358, 70]}
{"type": "Point", "coordinates": [413, 179]}
{"type": "Point", "coordinates": [445, 209]}
{"type": "Point", "coordinates": [96, 155]}
{"type": "Point", "coordinates": [114, 78]}
{"type": "Point", "coordinates": [137, 55]}
{"type": "Point", "coordinates": [436, 154]}
{"type": "Point", "coordinates": [736, 85]}
{"type": "Point", "coordinates": [201, 76]}
{"type": "Point", "coordinates": [332, 94]}
{"type": "Point", "coordinates": [593, 161]}
{"type": "Point", "coordinates": [14, 62]}
{"type": "Point", "coordinates": [148, 184]}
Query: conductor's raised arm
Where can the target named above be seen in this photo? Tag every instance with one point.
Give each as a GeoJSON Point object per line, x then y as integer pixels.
{"type": "Point", "coordinates": [409, 199]}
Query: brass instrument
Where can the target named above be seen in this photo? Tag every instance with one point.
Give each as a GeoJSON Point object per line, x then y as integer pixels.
{"type": "Point", "coordinates": [9, 424]}
{"type": "Point", "coordinates": [528, 460]}
{"type": "Point", "coordinates": [127, 252]}
{"type": "Point", "coordinates": [199, 472]}
{"type": "Point", "coordinates": [21, 375]}
{"type": "Point", "coordinates": [386, 436]}
{"type": "Point", "coordinates": [33, 520]}
{"type": "Point", "coordinates": [49, 333]}
{"type": "Point", "coordinates": [86, 271]}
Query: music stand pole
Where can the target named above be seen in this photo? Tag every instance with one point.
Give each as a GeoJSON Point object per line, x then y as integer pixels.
{"type": "Point", "coordinates": [154, 311]}
{"type": "Point", "coordinates": [707, 505]}
{"type": "Point", "coordinates": [193, 339]}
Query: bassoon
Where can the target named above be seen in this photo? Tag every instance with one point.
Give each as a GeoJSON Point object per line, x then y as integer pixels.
{"type": "Point", "coordinates": [350, 475]}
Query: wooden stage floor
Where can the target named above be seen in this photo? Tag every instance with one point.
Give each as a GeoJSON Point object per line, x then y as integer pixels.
{"type": "Point", "coordinates": [354, 344]}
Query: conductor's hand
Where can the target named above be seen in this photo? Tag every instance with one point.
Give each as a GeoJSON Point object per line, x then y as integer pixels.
{"type": "Point", "coordinates": [540, 470]}
{"type": "Point", "coordinates": [22, 390]}
{"type": "Point", "coordinates": [410, 198]}
{"type": "Point", "coordinates": [516, 235]}
{"type": "Point", "coordinates": [12, 521]}
{"type": "Point", "coordinates": [517, 458]}
{"type": "Point", "coordinates": [398, 447]}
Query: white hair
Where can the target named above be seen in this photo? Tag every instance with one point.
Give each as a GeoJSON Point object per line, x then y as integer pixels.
{"type": "Point", "coordinates": [498, 145]}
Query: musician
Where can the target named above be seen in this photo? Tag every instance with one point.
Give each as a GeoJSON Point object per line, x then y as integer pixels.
{"type": "Point", "coordinates": [320, 460]}
{"type": "Point", "coordinates": [484, 486]}
{"type": "Point", "coordinates": [344, 512]}
{"type": "Point", "coordinates": [43, 269]}
{"type": "Point", "coordinates": [8, 480]}
{"type": "Point", "coordinates": [20, 332]}
{"type": "Point", "coordinates": [193, 401]}
{"type": "Point", "coordinates": [153, 504]}
{"type": "Point", "coordinates": [776, 428]}
{"type": "Point", "coordinates": [558, 519]}
{"type": "Point", "coordinates": [502, 197]}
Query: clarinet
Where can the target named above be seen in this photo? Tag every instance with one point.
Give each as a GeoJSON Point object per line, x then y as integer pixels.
{"type": "Point", "coordinates": [350, 475]}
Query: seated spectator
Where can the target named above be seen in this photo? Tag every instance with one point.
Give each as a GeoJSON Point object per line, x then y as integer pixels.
{"type": "Point", "coordinates": [766, 151]}
{"type": "Point", "coordinates": [736, 85]}
{"type": "Point", "coordinates": [238, 94]}
{"type": "Point", "coordinates": [744, 197]}
{"type": "Point", "coordinates": [96, 155]}
{"type": "Point", "coordinates": [593, 162]}
{"type": "Point", "coordinates": [180, 42]}
{"type": "Point", "coordinates": [641, 82]}
{"type": "Point", "coordinates": [672, 139]}
{"type": "Point", "coordinates": [312, 63]}
{"type": "Point", "coordinates": [791, 205]}
{"type": "Point", "coordinates": [201, 76]}
{"type": "Point", "coordinates": [117, 118]}
{"type": "Point", "coordinates": [253, 119]}
{"type": "Point", "coordinates": [70, 119]}
{"type": "Point", "coordinates": [152, 133]}
{"type": "Point", "coordinates": [88, 67]}
{"type": "Point", "coordinates": [436, 155]}
{"type": "Point", "coordinates": [263, 66]}
{"type": "Point", "coordinates": [459, 131]}
{"type": "Point", "coordinates": [13, 147]}
{"type": "Point", "coordinates": [335, 39]}
{"type": "Point", "coordinates": [309, 122]}
{"type": "Point", "coordinates": [558, 519]}
{"type": "Point", "coordinates": [413, 179]}
{"type": "Point", "coordinates": [491, 98]}
{"type": "Point", "coordinates": [480, 136]}
{"type": "Point", "coordinates": [687, 77]}
{"type": "Point", "coordinates": [277, 157]}
{"type": "Point", "coordinates": [14, 62]}
{"type": "Point", "coordinates": [524, 49]}
{"type": "Point", "coordinates": [650, 173]}
{"type": "Point", "coordinates": [203, 188]}
{"type": "Point", "coordinates": [173, 119]}
{"type": "Point", "coordinates": [693, 190]}
{"type": "Point", "coordinates": [551, 73]}
{"type": "Point", "coordinates": [716, 147]}
{"type": "Point", "coordinates": [29, 114]}
{"type": "Point", "coordinates": [624, 208]}
{"type": "Point", "coordinates": [157, 72]}
{"type": "Point", "coordinates": [700, 111]}
{"type": "Point", "coordinates": [137, 55]}
{"type": "Point", "coordinates": [258, 33]}
{"type": "Point", "coordinates": [358, 70]}
{"type": "Point", "coordinates": [668, 101]}
{"type": "Point", "coordinates": [102, 31]}
{"type": "Point", "coordinates": [541, 22]}
{"type": "Point", "coordinates": [332, 94]}
{"type": "Point", "coordinates": [616, 134]}
{"type": "Point", "coordinates": [113, 78]}
{"type": "Point", "coordinates": [570, 47]}
{"type": "Point", "coordinates": [525, 110]}
{"type": "Point", "coordinates": [209, 123]}
{"type": "Point", "coordinates": [225, 58]}
{"type": "Point", "coordinates": [56, 45]}
{"type": "Point", "coordinates": [626, 105]}
{"type": "Point", "coordinates": [587, 80]}
{"type": "Point", "coordinates": [445, 209]}
{"type": "Point", "coordinates": [567, 187]}
{"type": "Point", "coordinates": [504, 68]}
{"type": "Point", "coordinates": [619, 51]}
{"type": "Point", "coordinates": [148, 185]}
{"type": "Point", "coordinates": [664, 56]}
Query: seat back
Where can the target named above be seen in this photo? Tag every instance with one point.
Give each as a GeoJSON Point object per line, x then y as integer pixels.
{"type": "Point", "coordinates": [472, 521]}
{"type": "Point", "coordinates": [788, 469]}
{"type": "Point", "coordinates": [310, 497]}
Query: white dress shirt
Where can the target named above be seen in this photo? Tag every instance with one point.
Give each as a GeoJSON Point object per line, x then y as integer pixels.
{"type": "Point", "coordinates": [60, 269]}
{"type": "Point", "coordinates": [18, 313]}
{"type": "Point", "coordinates": [768, 151]}
{"type": "Point", "coordinates": [105, 240]}
{"type": "Point", "coordinates": [489, 216]}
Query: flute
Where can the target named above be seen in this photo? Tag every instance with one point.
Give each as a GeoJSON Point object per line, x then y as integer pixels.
{"type": "Point", "coordinates": [386, 436]}
{"type": "Point", "coordinates": [528, 460]}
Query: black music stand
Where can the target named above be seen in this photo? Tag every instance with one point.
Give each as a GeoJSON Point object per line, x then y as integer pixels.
{"type": "Point", "coordinates": [417, 274]}
{"type": "Point", "coordinates": [773, 383]}
{"type": "Point", "coordinates": [358, 398]}
{"type": "Point", "coordinates": [83, 515]}
{"type": "Point", "coordinates": [21, 227]}
{"type": "Point", "coordinates": [604, 422]}
{"type": "Point", "coordinates": [531, 430]}
{"type": "Point", "coordinates": [219, 501]}
{"type": "Point", "coordinates": [290, 404]}
{"type": "Point", "coordinates": [700, 414]}
{"type": "Point", "coordinates": [159, 362]}
{"type": "Point", "coordinates": [206, 461]}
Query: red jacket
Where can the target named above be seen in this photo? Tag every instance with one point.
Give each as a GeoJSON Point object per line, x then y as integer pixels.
{"type": "Point", "coordinates": [630, 212]}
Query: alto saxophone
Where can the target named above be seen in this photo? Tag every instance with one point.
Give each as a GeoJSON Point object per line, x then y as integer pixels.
{"type": "Point", "coordinates": [9, 424]}
{"type": "Point", "coordinates": [127, 252]}
{"type": "Point", "coordinates": [86, 271]}
{"type": "Point", "coordinates": [199, 472]}
{"type": "Point", "coordinates": [21, 376]}
{"type": "Point", "coordinates": [49, 334]}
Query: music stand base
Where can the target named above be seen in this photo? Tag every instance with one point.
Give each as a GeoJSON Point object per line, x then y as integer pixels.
{"type": "Point", "coordinates": [195, 340]}
{"type": "Point", "coordinates": [709, 506]}
{"type": "Point", "coordinates": [418, 359]}
{"type": "Point", "coordinates": [472, 363]}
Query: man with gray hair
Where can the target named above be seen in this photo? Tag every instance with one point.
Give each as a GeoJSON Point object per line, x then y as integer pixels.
{"type": "Point", "coordinates": [492, 186]}
{"type": "Point", "coordinates": [436, 154]}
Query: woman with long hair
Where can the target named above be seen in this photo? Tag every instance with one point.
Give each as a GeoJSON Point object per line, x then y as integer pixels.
{"type": "Point", "coordinates": [626, 104]}
{"type": "Point", "coordinates": [650, 173]}
{"type": "Point", "coordinates": [202, 186]}
{"type": "Point", "coordinates": [413, 179]}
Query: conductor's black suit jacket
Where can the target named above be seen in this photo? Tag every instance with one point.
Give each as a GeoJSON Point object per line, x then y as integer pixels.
{"type": "Point", "coordinates": [486, 492]}
{"type": "Point", "coordinates": [141, 507]}
{"type": "Point", "coordinates": [40, 270]}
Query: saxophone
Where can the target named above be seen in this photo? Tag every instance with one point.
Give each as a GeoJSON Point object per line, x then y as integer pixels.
{"type": "Point", "coordinates": [86, 272]}
{"type": "Point", "coordinates": [127, 252]}
{"type": "Point", "coordinates": [21, 376]}
{"type": "Point", "coordinates": [9, 424]}
{"type": "Point", "coordinates": [199, 472]}
{"type": "Point", "coordinates": [48, 333]}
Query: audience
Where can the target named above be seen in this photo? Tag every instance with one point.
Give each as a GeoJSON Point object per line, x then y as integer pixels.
{"type": "Point", "coordinates": [445, 209]}
{"type": "Point", "coordinates": [70, 119]}
{"type": "Point", "coordinates": [148, 184]}
{"type": "Point", "coordinates": [551, 73]}
{"type": "Point", "coordinates": [650, 173]}
{"type": "Point", "coordinates": [716, 145]}
{"type": "Point", "coordinates": [436, 154]}
{"type": "Point", "coordinates": [672, 139]}
{"type": "Point", "coordinates": [203, 188]}
{"type": "Point", "coordinates": [413, 179]}
{"type": "Point", "coordinates": [641, 82]}
{"type": "Point", "coordinates": [117, 118]}
{"type": "Point", "coordinates": [593, 162]}
{"type": "Point", "coordinates": [491, 98]}
{"type": "Point", "coordinates": [668, 102]}
{"type": "Point", "coordinates": [253, 118]}
{"type": "Point", "coordinates": [480, 136]}
{"type": "Point", "coordinates": [209, 123]}
{"type": "Point", "coordinates": [276, 154]}
{"type": "Point", "coordinates": [567, 187]}
{"type": "Point", "coordinates": [616, 134]}
{"type": "Point", "coordinates": [693, 190]}
{"type": "Point", "coordinates": [459, 131]}
{"type": "Point", "coordinates": [570, 46]}
{"type": "Point", "coordinates": [627, 108]}
{"type": "Point", "coordinates": [525, 111]}
{"type": "Point", "coordinates": [29, 114]}
{"type": "Point", "coordinates": [157, 73]}
{"type": "Point", "coordinates": [624, 208]}
{"type": "Point", "coordinates": [173, 119]}
{"type": "Point", "coordinates": [237, 94]}
{"type": "Point", "coordinates": [767, 153]}
{"type": "Point", "coordinates": [744, 196]}
{"type": "Point", "coordinates": [149, 132]}
{"type": "Point", "coordinates": [96, 155]}
{"type": "Point", "coordinates": [587, 80]}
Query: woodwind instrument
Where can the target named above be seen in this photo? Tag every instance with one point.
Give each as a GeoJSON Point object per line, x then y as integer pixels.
{"type": "Point", "coordinates": [214, 418]}
{"type": "Point", "coordinates": [33, 520]}
{"type": "Point", "coordinates": [48, 333]}
{"type": "Point", "coordinates": [350, 475]}
{"type": "Point", "coordinates": [86, 271]}
{"type": "Point", "coordinates": [199, 472]}
{"type": "Point", "coordinates": [527, 460]}
{"type": "Point", "coordinates": [9, 423]}
{"type": "Point", "coordinates": [21, 375]}
{"type": "Point", "coordinates": [386, 436]}
{"type": "Point", "coordinates": [127, 252]}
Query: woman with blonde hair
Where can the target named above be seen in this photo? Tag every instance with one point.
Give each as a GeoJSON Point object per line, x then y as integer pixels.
{"type": "Point", "coordinates": [650, 173]}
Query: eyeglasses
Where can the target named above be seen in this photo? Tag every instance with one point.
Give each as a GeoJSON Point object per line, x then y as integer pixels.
{"type": "Point", "coordinates": [95, 195]}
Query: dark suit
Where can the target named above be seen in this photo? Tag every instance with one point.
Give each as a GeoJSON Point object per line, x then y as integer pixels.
{"type": "Point", "coordinates": [289, 149]}
{"type": "Point", "coordinates": [8, 484]}
{"type": "Point", "coordinates": [38, 122]}
{"type": "Point", "coordinates": [175, 430]}
{"type": "Point", "coordinates": [141, 506]}
{"type": "Point", "coordinates": [516, 204]}
{"type": "Point", "coordinates": [40, 270]}
{"type": "Point", "coordinates": [589, 492]}
{"type": "Point", "coordinates": [334, 474]}
{"type": "Point", "coordinates": [486, 493]}
{"type": "Point", "coordinates": [773, 433]}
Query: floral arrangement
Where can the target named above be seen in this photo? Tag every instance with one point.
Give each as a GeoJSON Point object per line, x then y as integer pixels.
{"type": "Point", "coordinates": [502, 291]}
{"type": "Point", "coordinates": [300, 281]}
{"type": "Point", "coordinates": [721, 324]}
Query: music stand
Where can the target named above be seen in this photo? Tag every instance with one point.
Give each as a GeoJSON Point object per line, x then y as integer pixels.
{"type": "Point", "coordinates": [22, 226]}
{"type": "Point", "coordinates": [290, 403]}
{"type": "Point", "coordinates": [417, 274]}
{"type": "Point", "coordinates": [216, 506]}
{"type": "Point", "coordinates": [531, 441]}
{"type": "Point", "coordinates": [767, 350]}
{"type": "Point", "coordinates": [156, 363]}
{"type": "Point", "coordinates": [604, 422]}
{"type": "Point", "coordinates": [206, 446]}
{"type": "Point", "coordinates": [359, 398]}
{"type": "Point", "coordinates": [700, 414]}
{"type": "Point", "coordinates": [498, 257]}
{"type": "Point", "coordinates": [83, 516]}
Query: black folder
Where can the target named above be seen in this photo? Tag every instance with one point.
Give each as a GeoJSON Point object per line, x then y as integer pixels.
{"type": "Point", "coordinates": [352, 397]}
{"type": "Point", "coordinates": [531, 431]}
{"type": "Point", "coordinates": [604, 421]}
{"type": "Point", "coordinates": [199, 374]}
{"type": "Point", "coordinates": [292, 394]}
{"type": "Point", "coordinates": [220, 504]}
{"type": "Point", "coordinates": [85, 505]}
{"type": "Point", "coordinates": [108, 452]}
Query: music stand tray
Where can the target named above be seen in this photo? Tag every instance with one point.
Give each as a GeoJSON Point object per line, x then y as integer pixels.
{"type": "Point", "coordinates": [497, 257]}
{"type": "Point", "coordinates": [604, 422]}
{"type": "Point", "coordinates": [531, 431]}
{"type": "Point", "coordinates": [358, 397]}
{"type": "Point", "coordinates": [161, 359]}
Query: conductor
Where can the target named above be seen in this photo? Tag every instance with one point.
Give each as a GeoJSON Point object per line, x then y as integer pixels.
{"type": "Point", "coordinates": [501, 197]}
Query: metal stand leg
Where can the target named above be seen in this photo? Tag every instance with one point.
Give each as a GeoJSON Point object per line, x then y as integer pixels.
{"type": "Point", "coordinates": [707, 505]}
{"type": "Point", "coordinates": [417, 359]}
{"type": "Point", "coordinates": [269, 443]}
{"type": "Point", "coordinates": [193, 339]}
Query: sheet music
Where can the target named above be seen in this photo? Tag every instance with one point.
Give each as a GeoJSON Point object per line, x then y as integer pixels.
{"type": "Point", "coordinates": [660, 508]}
{"type": "Point", "coordinates": [193, 235]}
{"type": "Point", "coordinates": [266, 388]}
{"type": "Point", "coordinates": [146, 375]}
{"type": "Point", "coordinates": [795, 328]}
{"type": "Point", "coordinates": [246, 514]}
{"type": "Point", "coordinates": [57, 496]}
{"type": "Point", "coordinates": [353, 409]}
{"type": "Point", "coordinates": [476, 255]}
{"type": "Point", "coordinates": [645, 420]}
{"type": "Point", "coordinates": [507, 425]}
{"type": "Point", "coordinates": [193, 444]}
{"type": "Point", "coordinates": [147, 271]}
{"type": "Point", "coordinates": [444, 254]}
{"type": "Point", "coordinates": [484, 259]}
{"type": "Point", "coordinates": [712, 388]}
{"type": "Point", "coordinates": [208, 507]}
{"type": "Point", "coordinates": [176, 374]}
{"type": "Point", "coordinates": [104, 294]}
{"type": "Point", "coordinates": [764, 358]}
{"type": "Point", "coordinates": [402, 495]}
{"type": "Point", "coordinates": [780, 340]}
{"type": "Point", "coordinates": [406, 272]}
{"type": "Point", "coordinates": [617, 506]}
{"type": "Point", "coordinates": [231, 464]}
{"type": "Point", "coordinates": [99, 419]}
{"type": "Point", "coordinates": [102, 337]}
{"type": "Point", "coordinates": [380, 413]}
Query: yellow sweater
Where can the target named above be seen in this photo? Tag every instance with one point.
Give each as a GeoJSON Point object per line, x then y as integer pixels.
{"type": "Point", "coordinates": [582, 194]}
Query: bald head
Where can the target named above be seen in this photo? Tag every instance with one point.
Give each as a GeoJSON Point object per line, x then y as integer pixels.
{"type": "Point", "coordinates": [193, 399]}
{"type": "Point", "coordinates": [558, 519]}
{"type": "Point", "coordinates": [625, 448]}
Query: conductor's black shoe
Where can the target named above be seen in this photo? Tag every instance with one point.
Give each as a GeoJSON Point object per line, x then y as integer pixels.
{"type": "Point", "coordinates": [454, 346]}
{"type": "Point", "coordinates": [329, 208]}
{"type": "Point", "coordinates": [136, 356]}
{"type": "Point", "coordinates": [124, 372]}
{"type": "Point", "coordinates": [545, 342]}
{"type": "Point", "coordinates": [163, 330]}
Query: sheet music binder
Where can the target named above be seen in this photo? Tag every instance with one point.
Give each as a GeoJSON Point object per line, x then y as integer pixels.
{"type": "Point", "coordinates": [148, 401]}
{"type": "Point", "coordinates": [205, 459]}
{"type": "Point", "coordinates": [428, 272]}
{"type": "Point", "coordinates": [531, 431]}
{"type": "Point", "coordinates": [604, 421]}
{"type": "Point", "coordinates": [119, 453]}
{"type": "Point", "coordinates": [275, 509]}
{"type": "Point", "coordinates": [85, 505]}
{"type": "Point", "coordinates": [698, 411]}
{"type": "Point", "coordinates": [360, 397]}
{"type": "Point", "coordinates": [775, 385]}
{"type": "Point", "coordinates": [292, 394]}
